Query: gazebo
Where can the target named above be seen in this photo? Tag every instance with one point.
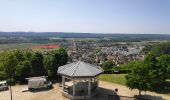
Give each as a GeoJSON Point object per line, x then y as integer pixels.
{"type": "Point", "coordinates": [79, 79]}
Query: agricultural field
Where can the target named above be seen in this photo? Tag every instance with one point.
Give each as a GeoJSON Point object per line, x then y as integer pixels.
{"type": "Point", "coordinates": [20, 46]}
{"type": "Point", "coordinates": [17, 46]}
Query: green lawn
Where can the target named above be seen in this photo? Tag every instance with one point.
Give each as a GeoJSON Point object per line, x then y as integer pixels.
{"type": "Point", "coordinates": [120, 79]}
{"type": "Point", "coordinates": [114, 78]}
{"type": "Point", "coordinates": [168, 80]}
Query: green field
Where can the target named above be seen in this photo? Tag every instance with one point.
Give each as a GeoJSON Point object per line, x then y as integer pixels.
{"type": "Point", "coordinates": [113, 78]}
{"type": "Point", "coordinates": [17, 46]}
{"type": "Point", "coordinates": [20, 45]}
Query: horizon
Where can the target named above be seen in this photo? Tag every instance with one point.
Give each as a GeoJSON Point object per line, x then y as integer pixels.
{"type": "Point", "coordinates": [85, 33]}
{"type": "Point", "coordinates": [97, 16]}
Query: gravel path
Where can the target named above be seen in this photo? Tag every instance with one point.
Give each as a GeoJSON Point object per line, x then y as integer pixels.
{"type": "Point", "coordinates": [55, 93]}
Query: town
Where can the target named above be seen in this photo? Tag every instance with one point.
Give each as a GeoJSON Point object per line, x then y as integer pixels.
{"type": "Point", "coordinates": [95, 52]}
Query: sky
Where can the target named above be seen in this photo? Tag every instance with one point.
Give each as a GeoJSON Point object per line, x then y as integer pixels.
{"type": "Point", "coordinates": [92, 16]}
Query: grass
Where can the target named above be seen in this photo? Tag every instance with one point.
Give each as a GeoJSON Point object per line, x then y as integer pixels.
{"type": "Point", "coordinates": [120, 79]}
{"type": "Point", "coordinates": [20, 45]}
{"type": "Point", "coordinates": [168, 80]}
{"type": "Point", "coordinates": [16, 46]}
{"type": "Point", "coordinates": [114, 78]}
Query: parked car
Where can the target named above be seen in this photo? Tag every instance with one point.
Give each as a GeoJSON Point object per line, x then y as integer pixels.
{"type": "Point", "coordinates": [3, 85]}
{"type": "Point", "coordinates": [38, 82]}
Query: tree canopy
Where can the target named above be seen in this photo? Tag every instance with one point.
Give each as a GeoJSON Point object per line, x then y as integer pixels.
{"type": "Point", "coordinates": [37, 64]}
{"type": "Point", "coordinates": [160, 49]}
{"type": "Point", "coordinates": [150, 73]}
{"type": "Point", "coordinates": [17, 65]}
{"type": "Point", "coordinates": [55, 59]}
{"type": "Point", "coordinates": [108, 65]}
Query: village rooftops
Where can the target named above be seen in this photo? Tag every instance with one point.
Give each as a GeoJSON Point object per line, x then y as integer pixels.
{"type": "Point", "coordinates": [80, 69]}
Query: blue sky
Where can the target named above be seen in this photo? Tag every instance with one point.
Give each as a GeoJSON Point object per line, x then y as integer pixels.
{"type": "Point", "coordinates": [98, 16]}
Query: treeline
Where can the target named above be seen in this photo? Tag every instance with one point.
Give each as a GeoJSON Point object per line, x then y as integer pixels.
{"type": "Point", "coordinates": [110, 67]}
{"type": "Point", "coordinates": [85, 35]}
{"type": "Point", "coordinates": [8, 40]}
{"type": "Point", "coordinates": [43, 37]}
{"type": "Point", "coordinates": [157, 49]}
{"type": "Point", "coordinates": [16, 65]}
{"type": "Point", "coordinates": [13, 40]}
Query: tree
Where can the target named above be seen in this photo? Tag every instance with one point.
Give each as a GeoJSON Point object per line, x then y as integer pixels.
{"type": "Point", "coordinates": [160, 49]}
{"type": "Point", "coordinates": [164, 66]}
{"type": "Point", "coordinates": [23, 70]}
{"type": "Point", "coordinates": [18, 64]}
{"type": "Point", "coordinates": [10, 63]}
{"type": "Point", "coordinates": [149, 74]}
{"type": "Point", "coordinates": [137, 78]}
{"type": "Point", "coordinates": [18, 54]}
{"type": "Point", "coordinates": [146, 49]}
{"type": "Point", "coordinates": [155, 71]}
{"type": "Point", "coordinates": [62, 56]}
{"type": "Point", "coordinates": [2, 73]}
{"type": "Point", "coordinates": [107, 65]}
{"type": "Point", "coordinates": [37, 66]}
{"type": "Point", "coordinates": [55, 59]}
{"type": "Point", "coordinates": [48, 64]}
{"type": "Point", "coordinates": [28, 55]}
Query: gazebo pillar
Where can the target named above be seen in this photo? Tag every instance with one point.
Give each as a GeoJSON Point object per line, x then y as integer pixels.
{"type": "Point", "coordinates": [97, 81]}
{"type": "Point", "coordinates": [63, 82]}
{"type": "Point", "coordinates": [73, 87]}
{"type": "Point", "coordinates": [89, 87]}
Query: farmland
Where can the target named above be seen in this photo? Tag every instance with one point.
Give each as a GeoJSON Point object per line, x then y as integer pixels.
{"type": "Point", "coordinates": [20, 45]}
{"type": "Point", "coordinates": [17, 46]}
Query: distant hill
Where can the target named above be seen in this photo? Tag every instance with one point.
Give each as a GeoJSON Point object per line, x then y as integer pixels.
{"type": "Point", "coordinates": [85, 35]}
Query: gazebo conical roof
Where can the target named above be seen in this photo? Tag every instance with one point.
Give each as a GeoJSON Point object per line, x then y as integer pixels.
{"type": "Point", "coordinates": [79, 69]}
